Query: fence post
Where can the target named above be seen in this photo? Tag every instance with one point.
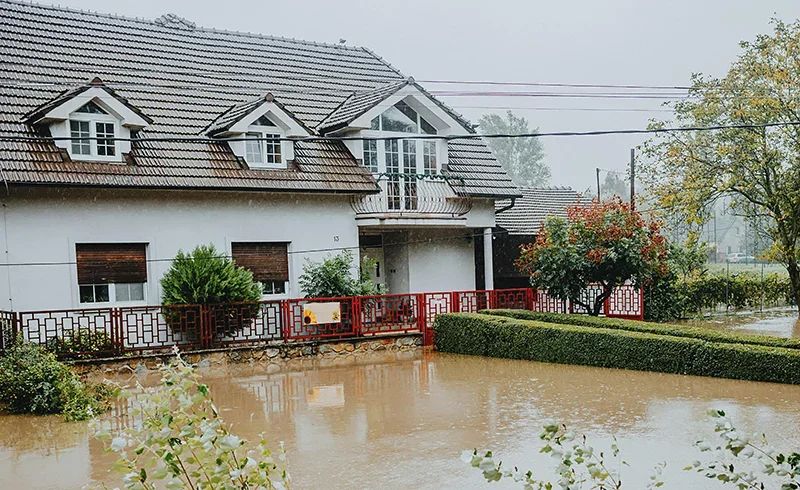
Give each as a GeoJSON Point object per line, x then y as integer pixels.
{"type": "Point", "coordinates": [285, 308]}
{"type": "Point", "coordinates": [529, 299]}
{"type": "Point", "coordinates": [355, 313]}
{"type": "Point", "coordinates": [117, 334]}
{"type": "Point", "coordinates": [641, 303]}
{"type": "Point", "coordinates": [205, 327]}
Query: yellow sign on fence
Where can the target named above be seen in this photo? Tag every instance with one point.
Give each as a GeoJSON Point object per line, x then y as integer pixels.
{"type": "Point", "coordinates": [318, 313]}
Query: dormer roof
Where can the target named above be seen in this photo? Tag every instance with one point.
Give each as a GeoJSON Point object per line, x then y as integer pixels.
{"type": "Point", "coordinates": [238, 116]}
{"type": "Point", "coordinates": [60, 107]}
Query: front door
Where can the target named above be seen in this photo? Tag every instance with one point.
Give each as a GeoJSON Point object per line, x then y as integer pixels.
{"type": "Point", "coordinates": [377, 274]}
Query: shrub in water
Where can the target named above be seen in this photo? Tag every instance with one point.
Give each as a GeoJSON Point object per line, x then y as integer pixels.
{"type": "Point", "coordinates": [33, 381]}
{"type": "Point", "coordinates": [205, 277]}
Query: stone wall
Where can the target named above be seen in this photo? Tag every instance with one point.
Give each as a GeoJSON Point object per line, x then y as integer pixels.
{"type": "Point", "coordinates": [274, 356]}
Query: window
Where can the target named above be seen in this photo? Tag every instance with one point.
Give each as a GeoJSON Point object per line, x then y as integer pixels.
{"type": "Point", "coordinates": [111, 272]}
{"type": "Point", "coordinates": [261, 151]}
{"type": "Point", "coordinates": [409, 171]}
{"type": "Point", "coordinates": [401, 118]}
{"type": "Point", "coordinates": [429, 157]}
{"type": "Point", "coordinates": [268, 261]}
{"type": "Point", "coordinates": [392, 159]}
{"type": "Point", "coordinates": [105, 147]}
{"type": "Point", "coordinates": [371, 155]}
{"type": "Point", "coordinates": [254, 149]}
{"type": "Point", "coordinates": [93, 130]}
{"type": "Point", "coordinates": [80, 129]}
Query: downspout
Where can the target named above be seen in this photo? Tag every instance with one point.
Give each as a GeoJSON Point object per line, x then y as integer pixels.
{"type": "Point", "coordinates": [5, 239]}
{"type": "Point", "coordinates": [506, 208]}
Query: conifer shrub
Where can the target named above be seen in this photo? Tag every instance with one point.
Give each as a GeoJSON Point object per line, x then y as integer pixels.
{"type": "Point", "coordinates": [207, 277]}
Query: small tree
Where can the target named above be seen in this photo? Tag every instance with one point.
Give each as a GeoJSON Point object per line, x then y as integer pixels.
{"type": "Point", "coordinates": [333, 278]}
{"type": "Point", "coordinates": [601, 243]}
{"type": "Point", "coordinates": [205, 277]}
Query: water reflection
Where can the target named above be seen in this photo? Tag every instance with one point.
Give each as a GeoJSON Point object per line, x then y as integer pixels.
{"type": "Point", "coordinates": [394, 422]}
{"type": "Point", "coordinates": [779, 322]}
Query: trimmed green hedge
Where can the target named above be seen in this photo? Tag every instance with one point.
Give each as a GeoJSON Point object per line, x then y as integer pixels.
{"type": "Point", "coordinates": [648, 327]}
{"type": "Point", "coordinates": [494, 336]}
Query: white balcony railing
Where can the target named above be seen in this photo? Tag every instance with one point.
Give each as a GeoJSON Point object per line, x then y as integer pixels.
{"type": "Point", "coordinates": [412, 194]}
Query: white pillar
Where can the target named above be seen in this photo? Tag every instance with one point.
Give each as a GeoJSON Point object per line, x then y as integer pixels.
{"type": "Point", "coordinates": [488, 266]}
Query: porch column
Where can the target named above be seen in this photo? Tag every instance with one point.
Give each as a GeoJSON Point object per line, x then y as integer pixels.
{"type": "Point", "coordinates": [488, 266]}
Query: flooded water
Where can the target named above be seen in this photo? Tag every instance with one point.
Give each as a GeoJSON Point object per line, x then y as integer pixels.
{"type": "Point", "coordinates": [394, 422]}
{"type": "Point", "coordinates": [778, 322]}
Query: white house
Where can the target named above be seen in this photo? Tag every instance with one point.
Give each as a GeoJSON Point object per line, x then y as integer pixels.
{"type": "Point", "coordinates": [102, 184]}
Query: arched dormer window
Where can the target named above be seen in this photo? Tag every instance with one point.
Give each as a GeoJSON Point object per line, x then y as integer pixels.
{"type": "Point", "coordinates": [408, 156]}
{"type": "Point", "coordinates": [260, 150]}
{"type": "Point", "coordinates": [93, 130]}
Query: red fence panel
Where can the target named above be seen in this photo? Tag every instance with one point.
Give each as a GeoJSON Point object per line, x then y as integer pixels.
{"type": "Point", "coordinates": [391, 313]}
{"type": "Point", "coordinates": [472, 301]}
{"type": "Point", "coordinates": [72, 333]}
{"type": "Point", "coordinates": [300, 327]}
{"type": "Point", "coordinates": [153, 328]}
{"type": "Point", "coordinates": [509, 299]}
{"type": "Point", "coordinates": [245, 323]}
{"type": "Point", "coordinates": [544, 303]}
{"type": "Point", "coordinates": [626, 301]}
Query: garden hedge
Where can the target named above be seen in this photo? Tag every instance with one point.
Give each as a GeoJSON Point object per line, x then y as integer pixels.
{"type": "Point", "coordinates": [648, 327]}
{"type": "Point", "coordinates": [495, 336]}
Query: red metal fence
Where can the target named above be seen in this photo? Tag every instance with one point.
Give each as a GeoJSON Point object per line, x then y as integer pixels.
{"type": "Point", "coordinates": [100, 332]}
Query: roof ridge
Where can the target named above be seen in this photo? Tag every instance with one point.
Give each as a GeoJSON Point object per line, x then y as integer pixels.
{"type": "Point", "coordinates": [255, 35]}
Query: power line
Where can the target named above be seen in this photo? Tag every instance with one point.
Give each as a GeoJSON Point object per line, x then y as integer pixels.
{"type": "Point", "coordinates": [269, 254]}
{"type": "Point", "coordinates": [204, 139]}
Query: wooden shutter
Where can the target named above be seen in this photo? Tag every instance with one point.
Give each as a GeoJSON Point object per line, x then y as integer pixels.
{"type": "Point", "coordinates": [100, 263]}
{"type": "Point", "coordinates": [267, 261]}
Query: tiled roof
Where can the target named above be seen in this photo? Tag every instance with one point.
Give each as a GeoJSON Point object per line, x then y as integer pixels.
{"type": "Point", "coordinates": [535, 205]}
{"type": "Point", "coordinates": [184, 78]}
{"type": "Point", "coordinates": [471, 161]}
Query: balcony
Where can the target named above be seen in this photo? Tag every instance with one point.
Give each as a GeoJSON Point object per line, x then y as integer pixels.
{"type": "Point", "coordinates": [414, 196]}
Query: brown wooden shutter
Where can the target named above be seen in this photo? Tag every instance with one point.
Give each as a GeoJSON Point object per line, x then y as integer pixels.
{"type": "Point", "coordinates": [267, 261]}
{"type": "Point", "coordinates": [100, 263]}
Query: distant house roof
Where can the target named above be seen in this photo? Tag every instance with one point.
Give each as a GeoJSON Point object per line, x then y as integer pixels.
{"type": "Point", "coordinates": [188, 79]}
{"type": "Point", "coordinates": [533, 208]}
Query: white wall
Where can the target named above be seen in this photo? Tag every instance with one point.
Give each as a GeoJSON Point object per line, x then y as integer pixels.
{"type": "Point", "coordinates": [43, 225]}
{"type": "Point", "coordinates": [441, 260]}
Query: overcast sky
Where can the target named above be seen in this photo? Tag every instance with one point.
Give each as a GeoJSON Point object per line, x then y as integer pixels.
{"type": "Point", "coordinates": [589, 41]}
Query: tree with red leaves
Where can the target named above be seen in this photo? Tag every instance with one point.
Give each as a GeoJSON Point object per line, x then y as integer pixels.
{"type": "Point", "coordinates": [604, 243]}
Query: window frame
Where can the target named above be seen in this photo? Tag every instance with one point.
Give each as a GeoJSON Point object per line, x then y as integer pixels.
{"type": "Point", "coordinates": [93, 119]}
{"type": "Point", "coordinates": [112, 295]}
{"type": "Point", "coordinates": [266, 132]}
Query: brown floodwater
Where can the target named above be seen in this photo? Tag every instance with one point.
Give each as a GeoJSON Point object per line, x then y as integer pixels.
{"type": "Point", "coordinates": [777, 322]}
{"type": "Point", "coordinates": [401, 421]}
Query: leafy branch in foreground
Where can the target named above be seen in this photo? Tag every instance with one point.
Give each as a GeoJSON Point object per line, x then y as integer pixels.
{"type": "Point", "coordinates": [178, 439]}
{"type": "Point", "coordinates": [579, 464]}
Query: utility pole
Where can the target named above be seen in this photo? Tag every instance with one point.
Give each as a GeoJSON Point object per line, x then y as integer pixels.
{"type": "Point", "coordinates": [716, 243]}
{"type": "Point", "coordinates": [633, 179]}
{"type": "Point", "coordinates": [597, 171]}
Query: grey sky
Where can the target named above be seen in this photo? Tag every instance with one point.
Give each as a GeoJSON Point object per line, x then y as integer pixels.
{"type": "Point", "coordinates": [604, 42]}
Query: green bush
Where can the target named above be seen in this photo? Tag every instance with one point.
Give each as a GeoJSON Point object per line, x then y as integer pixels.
{"type": "Point", "coordinates": [494, 336]}
{"type": "Point", "coordinates": [333, 278]}
{"type": "Point", "coordinates": [205, 277]}
{"type": "Point", "coordinates": [647, 327]}
{"type": "Point", "coordinates": [33, 381]}
{"type": "Point", "coordinates": [81, 344]}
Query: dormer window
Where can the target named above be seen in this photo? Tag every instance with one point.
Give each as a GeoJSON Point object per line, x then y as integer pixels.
{"type": "Point", "coordinates": [408, 155]}
{"type": "Point", "coordinates": [93, 130]}
{"type": "Point", "coordinates": [263, 145]}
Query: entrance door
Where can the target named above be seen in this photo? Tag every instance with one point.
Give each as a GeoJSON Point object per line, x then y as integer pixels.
{"type": "Point", "coordinates": [372, 247]}
{"type": "Point", "coordinates": [378, 273]}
